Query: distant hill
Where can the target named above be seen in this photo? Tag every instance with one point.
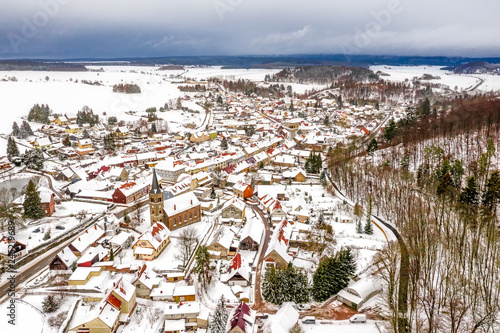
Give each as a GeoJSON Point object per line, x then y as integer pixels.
{"type": "Point", "coordinates": [32, 65]}
{"type": "Point", "coordinates": [247, 61]}
{"type": "Point", "coordinates": [476, 67]}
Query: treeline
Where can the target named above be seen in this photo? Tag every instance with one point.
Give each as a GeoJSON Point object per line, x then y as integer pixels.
{"type": "Point", "coordinates": [292, 284]}
{"type": "Point", "coordinates": [323, 74]}
{"type": "Point", "coordinates": [127, 88]}
{"type": "Point", "coordinates": [193, 88]}
{"type": "Point", "coordinates": [40, 113]}
{"type": "Point", "coordinates": [249, 87]}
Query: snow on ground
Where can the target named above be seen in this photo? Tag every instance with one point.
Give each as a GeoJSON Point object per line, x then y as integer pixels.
{"type": "Point", "coordinates": [217, 288]}
{"type": "Point", "coordinates": [401, 73]}
{"type": "Point", "coordinates": [155, 85]}
{"type": "Point", "coordinates": [341, 327]}
{"type": "Point", "coordinates": [28, 319]}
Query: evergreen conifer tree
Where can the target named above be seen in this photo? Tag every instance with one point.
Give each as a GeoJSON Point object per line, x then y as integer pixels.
{"type": "Point", "coordinates": [32, 202]}
{"type": "Point", "coordinates": [219, 319]}
{"type": "Point", "coordinates": [12, 150]}
{"type": "Point", "coordinates": [16, 131]}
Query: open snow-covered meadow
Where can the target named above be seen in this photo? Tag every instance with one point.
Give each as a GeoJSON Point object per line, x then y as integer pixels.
{"type": "Point", "coordinates": [461, 82]}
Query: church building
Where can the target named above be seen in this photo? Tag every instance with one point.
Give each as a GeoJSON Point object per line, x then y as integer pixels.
{"type": "Point", "coordinates": [174, 212]}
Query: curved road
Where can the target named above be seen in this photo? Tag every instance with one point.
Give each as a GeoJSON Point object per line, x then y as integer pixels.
{"type": "Point", "coordinates": [404, 272]}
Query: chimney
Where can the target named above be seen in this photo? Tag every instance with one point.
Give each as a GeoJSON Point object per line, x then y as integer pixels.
{"type": "Point", "coordinates": [78, 238]}
{"type": "Point", "coordinates": [191, 201]}
{"type": "Point", "coordinates": [175, 207]}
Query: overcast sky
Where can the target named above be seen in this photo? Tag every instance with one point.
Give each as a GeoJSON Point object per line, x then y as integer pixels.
{"type": "Point", "coordinates": [151, 28]}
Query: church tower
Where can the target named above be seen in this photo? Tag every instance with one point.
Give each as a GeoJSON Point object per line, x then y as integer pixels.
{"type": "Point", "coordinates": [156, 201]}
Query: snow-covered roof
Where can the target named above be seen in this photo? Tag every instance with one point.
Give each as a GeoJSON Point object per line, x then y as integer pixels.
{"type": "Point", "coordinates": [283, 320]}
{"type": "Point", "coordinates": [67, 256]}
{"type": "Point", "coordinates": [185, 308]}
{"type": "Point", "coordinates": [243, 317]}
{"type": "Point", "coordinates": [81, 273]}
{"type": "Point", "coordinates": [155, 235]}
{"type": "Point", "coordinates": [88, 237]}
{"type": "Point", "coordinates": [184, 290]}
{"type": "Point", "coordinates": [234, 202]}
{"type": "Point", "coordinates": [124, 289]}
{"type": "Point", "coordinates": [180, 203]}
{"type": "Point", "coordinates": [253, 229]}
{"type": "Point", "coordinates": [223, 236]}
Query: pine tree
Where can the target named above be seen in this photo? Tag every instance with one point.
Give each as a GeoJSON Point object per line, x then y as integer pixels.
{"type": "Point", "coordinates": [390, 130]}
{"type": "Point", "coordinates": [288, 285]}
{"type": "Point", "coordinates": [220, 317]}
{"type": "Point", "coordinates": [212, 194]}
{"type": "Point", "coordinates": [372, 147]}
{"type": "Point", "coordinates": [470, 194]}
{"type": "Point", "coordinates": [86, 134]}
{"type": "Point", "coordinates": [32, 203]}
{"type": "Point", "coordinates": [33, 159]}
{"type": "Point", "coordinates": [491, 194]}
{"type": "Point", "coordinates": [25, 130]}
{"type": "Point", "coordinates": [333, 274]}
{"type": "Point", "coordinates": [109, 142]}
{"type": "Point", "coordinates": [16, 131]}
{"type": "Point", "coordinates": [359, 227]}
{"type": "Point", "coordinates": [445, 185]}
{"type": "Point", "coordinates": [153, 128]}
{"type": "Point", "coordinates": [202, 266]}
{"type": "Point", "coordinates": [111, 255]}
{"type": "Point", "coordinates": [12, 150]}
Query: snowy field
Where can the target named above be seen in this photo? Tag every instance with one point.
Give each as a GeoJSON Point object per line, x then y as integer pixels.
{"type": "Point", "coordinates": [65, 93]}
{"type": "Point", "coordinates": [401, 73]}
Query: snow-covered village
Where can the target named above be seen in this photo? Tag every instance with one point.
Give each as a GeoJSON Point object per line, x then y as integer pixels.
{"type": "Point", "coordinates": [218, 210]}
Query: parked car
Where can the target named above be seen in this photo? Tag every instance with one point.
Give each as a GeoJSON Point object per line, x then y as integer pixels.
{"type": "Point", "coordinates": [309, 320]}
{"type": "Point", "coordinates": [36, 230]}
{"type": "Point", "coordinates": [303, 307]}
{"type": "Point", "coordinates": [60, 227]}
{"type": "Point", "coordinates": [358, 318]}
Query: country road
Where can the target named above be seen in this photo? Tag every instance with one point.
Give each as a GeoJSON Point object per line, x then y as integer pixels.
{"type": "Point", "coordinates": [258, 301]}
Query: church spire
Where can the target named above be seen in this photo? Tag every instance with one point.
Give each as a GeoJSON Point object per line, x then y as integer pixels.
{"type": "Point", "coordinates": [155, 187]}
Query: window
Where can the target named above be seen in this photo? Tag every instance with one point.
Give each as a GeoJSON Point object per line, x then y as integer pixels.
{"type": "Point", "coordinates": [195, 213]}
{"type": "Point", "coordinates": [185, 217]}
{"type": "Point", "coordinates": [152, 199]}
{"type": "Point", "coordinates": [190, 215]}
{"type": "Point", "coordinates": [175, 221]}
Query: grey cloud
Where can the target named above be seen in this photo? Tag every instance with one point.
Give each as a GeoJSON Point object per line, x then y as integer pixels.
{"type": "Point", "coordinates": [122, 28]}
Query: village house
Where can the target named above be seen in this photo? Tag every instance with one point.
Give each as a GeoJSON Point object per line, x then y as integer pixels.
{"type": "Point", "coordinates": [234, 210]}
{"type": "Point", "coordinates": [130, 192]}
{"type": "Point", "coordinates": [238, 273]}
{"type": "Point", "coordinates": [242, 190]}
{"type": "Point", "coordinates": [116, 307]}
{"type": "Point", "coordinates": [277, 251]}
{"type": "Point", "coordinates": [242, 319]}
{"type": "Point", "coordinates": [85, 147]}
{"type": "Point", "coordinates": [251, 235]}
{"type": "Point", "coordinates": [219, 245]}
{"type": "Point", "coordinates": [86, 239]}
{"type": "Point", "coordinates": [145, 281]}
{"type": "Point", "coordinates": [63, 260]}
{"type": "Point", "coordinates": [47, 199]}
{"type": "Point", "coordinates": [152, 242]}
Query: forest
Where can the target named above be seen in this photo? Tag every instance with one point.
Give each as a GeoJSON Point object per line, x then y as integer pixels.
{"type": "Point", "coordinates": [436, 180]}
